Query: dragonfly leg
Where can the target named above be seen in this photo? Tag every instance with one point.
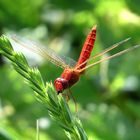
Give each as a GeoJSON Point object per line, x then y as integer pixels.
{"type": "Point", "coordinates": [66, 96]}
{"type": "Point", "coordinates": [70, 94]}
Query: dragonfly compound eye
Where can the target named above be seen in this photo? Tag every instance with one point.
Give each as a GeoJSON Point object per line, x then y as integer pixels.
{"type": "Point", "coordinates": [60, 84]}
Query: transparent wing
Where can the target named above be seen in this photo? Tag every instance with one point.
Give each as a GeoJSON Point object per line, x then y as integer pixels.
{"type": "Point", "coordinates": [110, 57]}
{"type": "Point", "coordinates": [104, 51]}
{"type": "Point", "coordinates": [69, 61]}
{"type": "Point", "coordinates": [43, 51]}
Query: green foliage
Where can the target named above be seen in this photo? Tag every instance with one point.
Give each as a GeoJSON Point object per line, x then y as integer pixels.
{"type": "Point", "coordinates": [56, 105]}
{"type": "Point", "coordinates": [17, 14]}
{"type": "Point", "coordinates": [107, 95]}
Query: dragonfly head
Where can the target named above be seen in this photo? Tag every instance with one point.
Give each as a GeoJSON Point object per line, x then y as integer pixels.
{"type": "Point", "coordinates": [60, 84]}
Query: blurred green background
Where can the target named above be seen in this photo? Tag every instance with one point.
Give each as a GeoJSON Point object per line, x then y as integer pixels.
{"type": "Point", "coordinates": [108, 95]}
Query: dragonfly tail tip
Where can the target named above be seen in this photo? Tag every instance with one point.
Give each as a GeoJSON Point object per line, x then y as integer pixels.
{"type": "Point", "coordinates": [94, 27]}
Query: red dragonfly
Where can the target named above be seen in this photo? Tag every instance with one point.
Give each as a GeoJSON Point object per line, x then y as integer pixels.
{"type": "Point", "coordinates": [73, 71]}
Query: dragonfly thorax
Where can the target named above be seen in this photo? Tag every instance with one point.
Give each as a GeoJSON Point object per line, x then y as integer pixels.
{"type": "Point", "coordinates": [61, 84]}
{"type": "Point", "coordinates": [68, 78]}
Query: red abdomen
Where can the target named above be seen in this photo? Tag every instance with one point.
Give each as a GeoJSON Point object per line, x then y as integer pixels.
{"type": "Point", "coordinates": [87, 49]}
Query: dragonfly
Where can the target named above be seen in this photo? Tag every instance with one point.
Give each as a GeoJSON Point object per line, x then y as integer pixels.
{"type": "Point", "coordinates": [72, 71]}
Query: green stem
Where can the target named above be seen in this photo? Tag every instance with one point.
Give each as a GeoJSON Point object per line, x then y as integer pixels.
{"type": "Point", "coordinates": [56, 105]}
